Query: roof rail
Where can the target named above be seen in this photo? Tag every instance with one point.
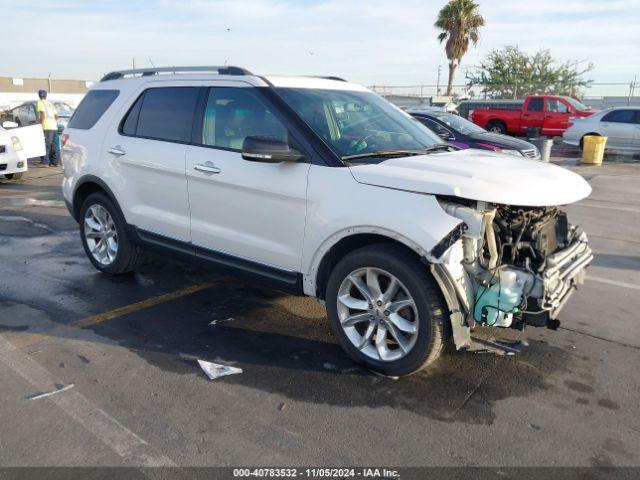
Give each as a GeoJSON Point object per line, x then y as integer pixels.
{"type": "Point", "coordinates": [145, 72]}
{"type": "Point", "coordinates": [338, 79]}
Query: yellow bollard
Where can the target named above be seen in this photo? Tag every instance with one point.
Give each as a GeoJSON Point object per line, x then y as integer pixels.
{"type": "Point", "coordinates": [593, 149]}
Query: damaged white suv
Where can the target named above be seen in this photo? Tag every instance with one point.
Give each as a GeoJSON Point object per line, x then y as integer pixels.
{"type": "Point", "coordinates": [319, 187]}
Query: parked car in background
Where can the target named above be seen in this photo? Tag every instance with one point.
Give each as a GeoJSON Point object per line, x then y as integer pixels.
{"type": "Point", "coordinates": [17, 145]}
{"type": "Point", "coordinates": [27, 114]}
{"type": "Point", "coordinates": [13, 161]}
{"type": "Point", "coordinates": [465, 134]}
{"type": "Point", "coordinates": [620, 125]}
{"type": "Point", "coordinates": [549, 113]}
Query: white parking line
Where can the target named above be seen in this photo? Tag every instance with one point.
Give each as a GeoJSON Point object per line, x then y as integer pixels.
{"type": "Point", "coordinates": [632, 286]}
{"type": "Point", "coordinates": [606, 207]}
{"type": "Point", "coordinates": [112, 433]}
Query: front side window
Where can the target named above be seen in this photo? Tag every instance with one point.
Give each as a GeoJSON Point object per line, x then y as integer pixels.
{"type": "Point", "coordinates": [556, 106]}
{"type": "Point", "coordinates": [166, 114]}
{"type": "Point", "coordinates": [619, 116]}
{"type": "Point", "coordinates": [357, 123]}
{"type": "Point", "coordinates": [232, 114]}
{"type": "Point", "coordinates": [91, 108]}
{"type": "Point", "coordinates": [535, 104]}
{"type": "Point", "coordinates": [436, 128]}
{"type": "Point", "coordinates": [581, 107]}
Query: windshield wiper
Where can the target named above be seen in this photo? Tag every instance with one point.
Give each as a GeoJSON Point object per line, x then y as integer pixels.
{"type": "Point", "coordinates": [402, 153]}
{"type": "Point", "coordinates": [385, 153]}
{"type": "Point", "coordinates": [440, 146]}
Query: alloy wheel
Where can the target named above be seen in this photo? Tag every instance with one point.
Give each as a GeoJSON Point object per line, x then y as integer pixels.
{"type": "Point", "coordinates": [378, 314]}
{"type": "Point", "coordinates": [100, 234]}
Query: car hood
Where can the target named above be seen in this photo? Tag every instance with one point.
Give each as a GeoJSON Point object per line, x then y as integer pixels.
{"type": "Point", "coordinates": [502, 141]}
{"type": "Point", "coordinates": [478, 175]}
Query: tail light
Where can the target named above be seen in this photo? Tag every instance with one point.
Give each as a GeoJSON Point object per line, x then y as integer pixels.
{"type": "Point", "coordinates": [16, 143]}
{"type": "Point", "coordinates": [65, 137]}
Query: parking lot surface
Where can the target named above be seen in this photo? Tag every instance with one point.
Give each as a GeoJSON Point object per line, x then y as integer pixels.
{"type": "Point", "coordinates": [126, 350]}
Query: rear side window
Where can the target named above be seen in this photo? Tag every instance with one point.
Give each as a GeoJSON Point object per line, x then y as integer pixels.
{"type": "Point", "coordinates": [620, 116]}
{"type": "Point", "coordinates": [535, 104]}
{"type": "Point", "coordinates": [91, 108]}
{"type": "Point", "coordinates": [163, 114]}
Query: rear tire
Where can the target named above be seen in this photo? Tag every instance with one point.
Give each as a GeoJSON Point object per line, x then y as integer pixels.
{"type": "Point", "coordinates": [497, 127]}
{"type": "Point", "coordinates": [358, 326]}
{"type": "Point", "coordinates": [102, 221]}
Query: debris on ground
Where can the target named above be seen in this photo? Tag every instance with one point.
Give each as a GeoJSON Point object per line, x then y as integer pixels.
{"type": "Point", "coordinates": [221, 320]}
{"type": "Point", "coordinates": [215, 370]}
{"type": "Point", "coordinates": [282, 407]}
{"type": "Point", "coordinates": [37, 396]}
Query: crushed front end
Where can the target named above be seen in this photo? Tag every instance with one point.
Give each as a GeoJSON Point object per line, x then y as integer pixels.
{"type": "Point", "coordinates": [511, 267]}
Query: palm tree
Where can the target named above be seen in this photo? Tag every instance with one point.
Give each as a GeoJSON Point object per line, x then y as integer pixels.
{"type": "Point", "coordinates": [459, 21]}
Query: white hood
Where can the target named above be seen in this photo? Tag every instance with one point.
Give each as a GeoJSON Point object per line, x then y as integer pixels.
{"type": "Point", "coordinates": [478, 175]}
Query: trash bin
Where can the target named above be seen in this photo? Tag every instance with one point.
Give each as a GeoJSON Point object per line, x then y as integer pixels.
{"type": "Point", "coordinates": [545, 151]}
{"type": "Point", "coordinates": [593, 149]}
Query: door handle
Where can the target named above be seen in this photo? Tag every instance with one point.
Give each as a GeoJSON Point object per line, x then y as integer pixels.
{"type": "Point", "coordinates": [207, 168]}
{"type": "Point", "coordinates": [117, 151]}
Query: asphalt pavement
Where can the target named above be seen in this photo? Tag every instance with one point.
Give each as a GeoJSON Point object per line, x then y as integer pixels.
{"type": "Point", "coordinates": [125, 350]}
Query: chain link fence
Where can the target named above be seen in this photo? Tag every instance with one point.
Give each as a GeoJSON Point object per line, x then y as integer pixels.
{"type": "Point", "coordinates": [597, 95]}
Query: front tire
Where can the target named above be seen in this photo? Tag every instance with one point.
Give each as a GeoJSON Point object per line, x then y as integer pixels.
{"type": "Point", "coordinates": [386, 310]}
{"type": "Point", "coordinates": [104, 236]}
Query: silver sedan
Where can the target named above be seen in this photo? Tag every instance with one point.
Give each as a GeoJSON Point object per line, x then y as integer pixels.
{"type": "Point", "coordinates": [621, 126]}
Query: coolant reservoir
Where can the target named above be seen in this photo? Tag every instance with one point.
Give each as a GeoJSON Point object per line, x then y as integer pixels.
{"type": "Point", "coordinates": [496, 303]}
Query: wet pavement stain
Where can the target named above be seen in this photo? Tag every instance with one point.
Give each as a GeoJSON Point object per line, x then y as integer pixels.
{"type": "Point", "coordinates": [609, 404]}
{"type": "Point", "coordinates": [578, 386]}
{"type": "Point", "coordinates": [287, 354]}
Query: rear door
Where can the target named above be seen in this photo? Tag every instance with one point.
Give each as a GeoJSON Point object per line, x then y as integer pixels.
{"type": "Point", "coordinates": [252, 211]}
{"type": "Point", "coordinates": [533, 114]}
{"type": "Point", "coordinates": [619, 126]}
{"type": "Point", "coordinates": [145, 152]}
{"type": "Point", "coordinates": [556, 116]}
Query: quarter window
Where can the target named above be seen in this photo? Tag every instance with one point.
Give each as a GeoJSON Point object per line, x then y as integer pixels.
{"type": "Point", "coordinates": [91, 108]}
{"type": "Point", "coordinates": [620, 116]}
{"type": "Point", "coordinates": [232, 114]}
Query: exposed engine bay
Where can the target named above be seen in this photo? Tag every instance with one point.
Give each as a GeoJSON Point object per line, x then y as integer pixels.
{"type": "Point", "coordinates": [513, 266]}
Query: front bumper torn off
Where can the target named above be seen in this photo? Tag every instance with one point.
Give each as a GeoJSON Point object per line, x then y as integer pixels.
{"type": "Point", "coordinates": [565, 269]}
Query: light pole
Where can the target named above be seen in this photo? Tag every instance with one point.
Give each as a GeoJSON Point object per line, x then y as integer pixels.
{"type": "Point", "coordinates": [438, 85]}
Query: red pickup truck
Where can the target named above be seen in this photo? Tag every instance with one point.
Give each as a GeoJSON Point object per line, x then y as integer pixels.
{"type": "Point", "coordinates": [550, 113]}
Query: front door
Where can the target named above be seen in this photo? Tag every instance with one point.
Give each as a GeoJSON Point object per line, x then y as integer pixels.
{"type": "Point", "coordinates": [620, 128]}
{"type": "Point", "coordinates": [556, 116]}
{"type": "Point", "coordinates": [146, 150]}
{"type": "Point", "coordinates": [248, 210]}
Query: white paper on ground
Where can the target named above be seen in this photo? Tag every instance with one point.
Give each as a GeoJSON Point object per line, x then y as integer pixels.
{"type": "Point", "coordinates": [215, 370]}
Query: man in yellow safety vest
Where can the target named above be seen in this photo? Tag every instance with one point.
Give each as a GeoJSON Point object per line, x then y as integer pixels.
{"type": "Point", "coordinates": [49, 120]}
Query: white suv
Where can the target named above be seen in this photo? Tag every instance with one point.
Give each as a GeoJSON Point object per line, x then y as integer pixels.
{"type": "Point", "coordinates": [320, 187]}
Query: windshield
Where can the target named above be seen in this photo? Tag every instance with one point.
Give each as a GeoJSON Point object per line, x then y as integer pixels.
{"type": "Point", "coordinates": [357, 123]}
{"type": "Point", "coordinates": [63, 109]}
{"type": "Point", "coordinates": [458, 123]}
{"type": "Point", "coordinates": [576, 104]}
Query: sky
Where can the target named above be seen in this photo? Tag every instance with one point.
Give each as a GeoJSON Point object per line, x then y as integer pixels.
{"type": "Point", "coordinates": [373, 42]}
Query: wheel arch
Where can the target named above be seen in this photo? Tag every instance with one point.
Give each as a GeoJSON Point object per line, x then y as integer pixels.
{"type": "Point", "coordinates": [581, 142]}
{"type": "Point", "coordinates": [341, 244]}
{"type": "Point", "coordinates": [86, 186]}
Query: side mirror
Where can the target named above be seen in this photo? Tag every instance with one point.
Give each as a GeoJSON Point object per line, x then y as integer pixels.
{"type": "Point", "coordinates": [9, 124]}
{"type": "Point", "coordinates": [446, 136]}
{"type": "Point", "coordinates": [259, 148]}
